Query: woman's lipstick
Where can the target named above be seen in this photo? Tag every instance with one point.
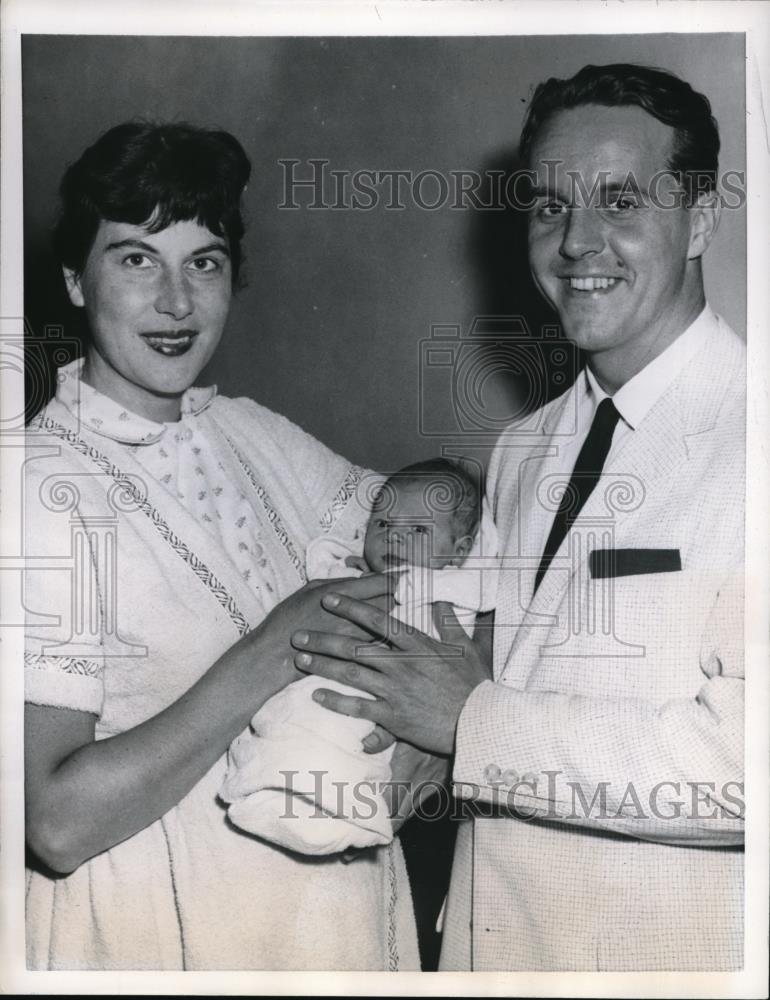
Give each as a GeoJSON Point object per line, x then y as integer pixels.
{"type": "Point", "coordinates": [170, 343]}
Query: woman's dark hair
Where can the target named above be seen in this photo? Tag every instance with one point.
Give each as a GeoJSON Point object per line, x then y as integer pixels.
{"type": "Point", "coordinates": [695, 154]}
{"type": "Point", "coordinates": [154, 174]}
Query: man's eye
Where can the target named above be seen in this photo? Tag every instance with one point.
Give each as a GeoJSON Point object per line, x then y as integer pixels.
{"type": "Point", "coordinates": [624, 203]}
{"type": "Point", "coordinates": [420, 529]}
{"type": "Point", "coordinates": [380, 523]}
{"type": "Point", "coordinates": [137, 260]}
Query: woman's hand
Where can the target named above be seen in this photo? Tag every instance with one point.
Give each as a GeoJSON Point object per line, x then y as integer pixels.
{"type": "Point", "coordinates": [268, 647]}
{"type": "Point", "coordinates": [419, 684]}
{"type": "Point", "coordinates": [86, 795]}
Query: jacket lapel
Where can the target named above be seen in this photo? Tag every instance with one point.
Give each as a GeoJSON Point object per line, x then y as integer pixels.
{"type": "Point", "coordinates": [638, 474]}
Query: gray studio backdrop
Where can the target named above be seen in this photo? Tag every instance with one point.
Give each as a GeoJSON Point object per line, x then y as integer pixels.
{"type": "Point", "coordinates": [332, 325]}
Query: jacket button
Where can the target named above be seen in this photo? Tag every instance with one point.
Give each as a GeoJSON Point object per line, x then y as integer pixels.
{"type": "Point", "coordinates": [510, 777]}
{"type": "Point", "coordinates": [491, 773]}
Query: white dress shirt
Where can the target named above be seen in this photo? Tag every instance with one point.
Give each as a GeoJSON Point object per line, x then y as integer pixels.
{"type": "Point", "coordinates": [637, 397]}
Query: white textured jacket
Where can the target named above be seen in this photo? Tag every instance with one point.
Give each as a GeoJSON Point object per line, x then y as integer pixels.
{"type": "Point", "coordinates": [604, 764]}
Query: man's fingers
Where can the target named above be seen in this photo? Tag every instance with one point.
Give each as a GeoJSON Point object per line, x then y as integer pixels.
{"type": "Point", "coordinates": [337, 645]}
{"type": "Point", "coordinates": [346, 704]}
{"type": "Point", "coordinates": [376, 621]}
{"type": "Point", "coordinates": [377, 740]}
{"type": "Point", "coordinates": [341, 669]}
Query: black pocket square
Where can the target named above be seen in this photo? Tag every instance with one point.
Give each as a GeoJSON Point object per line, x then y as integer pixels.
{"type": "Point", "coordinates": [606, 563]}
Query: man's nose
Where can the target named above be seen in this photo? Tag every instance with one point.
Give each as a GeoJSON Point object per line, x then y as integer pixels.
{"type": "Point", "coordinates": [583, 234]}
{"type": "Point", "coordinates": [174, 297]}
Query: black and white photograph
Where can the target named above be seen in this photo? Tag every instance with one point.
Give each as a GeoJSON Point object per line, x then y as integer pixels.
{"type": "Point", "coordinates": [385, 493]}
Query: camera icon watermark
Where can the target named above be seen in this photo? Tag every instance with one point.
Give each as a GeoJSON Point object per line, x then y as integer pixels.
{"type": "Point", "coordinates": [29, 366]}
{"type": "Point", "coordinates": [471, 370]}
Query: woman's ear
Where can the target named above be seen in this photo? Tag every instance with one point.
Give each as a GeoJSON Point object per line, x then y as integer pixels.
{"type": "Point", "coordinates": [705, 215]}
{"type": "Point", "coordinates": [72, 281]}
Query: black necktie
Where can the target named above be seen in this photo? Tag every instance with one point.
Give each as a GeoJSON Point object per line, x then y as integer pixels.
{"type": "Point", "coordinates": [585, 476]}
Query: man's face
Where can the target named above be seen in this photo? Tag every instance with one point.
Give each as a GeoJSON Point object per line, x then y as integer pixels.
{"type": "Point", "coordinates": [156, 305]}
{"type": "Point", "coordinates": [406, 529]}
{"type": "Point", "coordinates": [620, 271]}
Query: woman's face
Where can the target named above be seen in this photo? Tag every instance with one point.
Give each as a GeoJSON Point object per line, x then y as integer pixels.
{"type": "Point", "coordinates": [156, 305]}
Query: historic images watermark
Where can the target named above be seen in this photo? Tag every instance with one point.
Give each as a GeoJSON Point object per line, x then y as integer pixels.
{"type": "Point", "coordinates": [541, 795]}
{"type": "Point", "coordinates": [316, 185]}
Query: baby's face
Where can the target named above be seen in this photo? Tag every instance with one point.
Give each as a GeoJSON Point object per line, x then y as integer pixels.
{"type": "Point", "coordinates": [404, 529]}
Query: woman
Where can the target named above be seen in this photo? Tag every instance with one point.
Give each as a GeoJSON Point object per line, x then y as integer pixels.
{"type": "Point", "coordinates": [182, 518]}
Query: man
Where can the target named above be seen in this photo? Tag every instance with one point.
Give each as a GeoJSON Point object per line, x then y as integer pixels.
{"type": "Point", "coordinates": [607, 753]}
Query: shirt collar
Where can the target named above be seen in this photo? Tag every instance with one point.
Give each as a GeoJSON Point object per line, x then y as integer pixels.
{"type": "Point", "coordinates": [638, 396]}
{"type": "Point", "coordinates": [104, 416]}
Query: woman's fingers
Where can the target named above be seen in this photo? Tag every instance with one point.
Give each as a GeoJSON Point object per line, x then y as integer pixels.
{"type": "Point", "coordinates": [341, 646]}
{"type": "Point", "coordinates": [364, 587]}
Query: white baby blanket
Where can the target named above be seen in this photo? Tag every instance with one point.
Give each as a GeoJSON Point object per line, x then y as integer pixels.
{"type": "Point", "coordinates": [300, 777]}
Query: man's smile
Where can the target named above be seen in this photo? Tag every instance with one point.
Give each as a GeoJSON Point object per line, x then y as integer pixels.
{"type": "Point", "coordinates": [591, 284]}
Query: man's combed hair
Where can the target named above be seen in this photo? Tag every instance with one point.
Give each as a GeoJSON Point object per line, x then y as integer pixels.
{"type": "Point", "coordinates": [154, 174]}
{"type": "Point", "coordinates": [448, 487]}
{"type": "Point", "coordinates": [695, 154]}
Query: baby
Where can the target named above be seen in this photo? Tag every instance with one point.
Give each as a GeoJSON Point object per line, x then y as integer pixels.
{"type": "Point", "coordinates": [300, 777]}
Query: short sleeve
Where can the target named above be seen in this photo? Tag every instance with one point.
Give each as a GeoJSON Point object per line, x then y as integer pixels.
{"type": "Point", "coordinates": [64, 614]}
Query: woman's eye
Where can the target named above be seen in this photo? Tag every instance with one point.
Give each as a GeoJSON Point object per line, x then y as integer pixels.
{"type": "Point", "coordinates": [137, 260]}
{"type": "Point", "coordinates": [204, 264]}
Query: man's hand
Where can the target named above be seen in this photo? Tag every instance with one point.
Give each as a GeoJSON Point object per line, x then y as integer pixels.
{"type": "Point", "coordinates": [419, 684]}
{"type": "Point", "coordinates": [267, 648]}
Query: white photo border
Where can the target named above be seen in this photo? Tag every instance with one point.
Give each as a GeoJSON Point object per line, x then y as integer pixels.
{"type": "Point", "coordinates": [404, 17]}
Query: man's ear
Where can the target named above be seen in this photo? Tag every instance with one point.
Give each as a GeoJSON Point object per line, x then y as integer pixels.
{"type": "Point", "coordinates": [704, 219]}
{"type": "Point", "coordinates": [72, 281]}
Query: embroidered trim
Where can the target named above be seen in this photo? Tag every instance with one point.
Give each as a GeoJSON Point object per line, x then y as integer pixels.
{"type": "Point", "coordinates": [392, 900]}
{"type": "Point", "coordinates": [272, 514]}
{"type": "Point", "coordinates": [67, 664]}
{"type": "Point", "coordinates": [197, 565]}
{"type": "Point", "coordinates": [342, 499]}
